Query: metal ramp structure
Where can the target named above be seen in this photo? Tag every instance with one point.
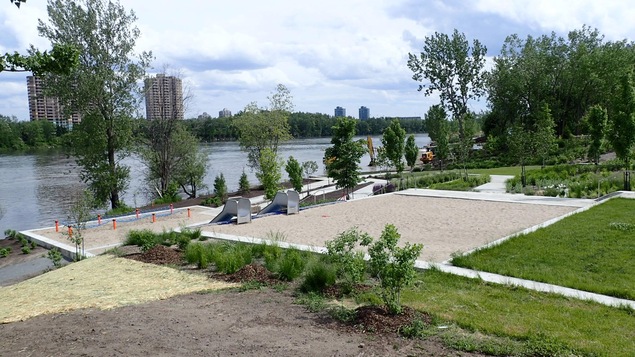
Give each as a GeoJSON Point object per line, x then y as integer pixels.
{"type": "Point", "coordinates": [288, 202]}
{"type": "Point", "coordinates": [235, 207]}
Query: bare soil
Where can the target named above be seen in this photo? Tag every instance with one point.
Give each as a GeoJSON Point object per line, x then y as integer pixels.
{"type": "Point", "coordinates": [16, 256]}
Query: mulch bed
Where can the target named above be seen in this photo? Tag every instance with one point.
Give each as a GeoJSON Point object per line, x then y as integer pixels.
{"type": "Point", "coordinates": [160, 255]}
{"type": "Point", "coordinates": [377, 319]}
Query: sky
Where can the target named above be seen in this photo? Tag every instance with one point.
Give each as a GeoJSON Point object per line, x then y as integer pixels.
{"type": "Point", "coordinates": [328, 53]}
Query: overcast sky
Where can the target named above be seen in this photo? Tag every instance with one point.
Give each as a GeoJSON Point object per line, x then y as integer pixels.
{"type": "Point", "coordinates": [329, 53]}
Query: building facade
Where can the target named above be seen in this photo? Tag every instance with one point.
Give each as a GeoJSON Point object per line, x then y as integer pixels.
{"type": "Point", "coordinates": [364, 113]}
{"type": "Point", "coordinates": [225, 113]}
{"type": "Point", "coordinates": [164, 97]}
{"type": "Point", "coordinates": [42, 107]}
{"type": "Point", "coordinates": [340, 112]}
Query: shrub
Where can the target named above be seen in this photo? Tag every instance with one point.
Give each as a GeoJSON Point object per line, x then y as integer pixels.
{"type": "Point", "coordinates": [26, 250]}
{"type": "Point", "coordinates": [220, 187]}
{"type": "Point", "coordinates": [294, 170]}
{"type": "Point", "coordinates": [199, 254]}
{"type": "Point", "coordinates": [318, 276]}
{"type": "Point", "coordinates": [145, 239]}
{"type": "Point", "coordinates": [4, 252]}
{"type": "Point", "coordinates": [350, 264]}
{"type": "Point", "coordinates": [243, 183]}
{"type": "Point", "coordinates": [393, 266]}
{"type": "Point", "coordinates": [291, 264]}
{"type": "Point", "coordinates": [212, 201]}
{"type": "Point", "coordinates": [55, 256]}
{"type": "Point", "coordinates": [231, 257]}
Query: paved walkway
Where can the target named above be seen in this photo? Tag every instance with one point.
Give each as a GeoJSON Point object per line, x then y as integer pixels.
{"type": "Point", "coordinates": [497, 184]}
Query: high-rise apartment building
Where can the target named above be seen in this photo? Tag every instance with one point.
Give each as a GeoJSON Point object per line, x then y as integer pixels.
{"type": "Point", "coordinates": [164, 97]}
{"type": "Point", "coordinates": [340, 112]}
{"type": "Point", "coordinates": [42, 107]}
{"type": "Point", "coordinates": [225, 113]}
{"type": "Point", "coordinates": [364, 113]}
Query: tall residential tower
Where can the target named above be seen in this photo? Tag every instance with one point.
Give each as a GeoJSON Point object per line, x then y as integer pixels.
{"type": "Point", "coordinates": [164, 97]}
{"type": "Point", "coordinates": [47, 108]}
{"type": "Point", "coordinates": [364, 113]}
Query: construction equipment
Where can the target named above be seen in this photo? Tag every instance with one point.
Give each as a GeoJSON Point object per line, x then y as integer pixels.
{"type": "Point", "coordinates": [371, 151]}
{"type": "Point", "coordinates": [426, 155]}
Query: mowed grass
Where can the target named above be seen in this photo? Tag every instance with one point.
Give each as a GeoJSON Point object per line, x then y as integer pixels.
{"type": "Point", "coordinates": [508, 171]}
{"type": "Point", "coordinates": [592, 251]}
{"type": "Point", "coordinates": [549, 324]}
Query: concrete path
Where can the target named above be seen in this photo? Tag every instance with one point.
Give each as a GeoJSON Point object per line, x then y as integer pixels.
{"type": "Point", "coordinates": [497, 184]}
{"type": "Point", "coordinates": [22, 271]}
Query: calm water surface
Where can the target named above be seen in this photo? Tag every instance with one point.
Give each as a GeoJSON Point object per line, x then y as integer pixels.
{"type": "Point", "coordinates": [36, 189]}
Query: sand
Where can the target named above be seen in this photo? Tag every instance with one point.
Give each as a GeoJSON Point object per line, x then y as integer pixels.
{"type": "Point", "coordinates": [443, 225]}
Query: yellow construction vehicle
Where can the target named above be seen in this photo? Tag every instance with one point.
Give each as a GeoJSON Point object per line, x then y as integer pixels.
{"type": "Point", "coordinates": [426, 155]}
{"type": "Point", "coordinates": [371, 151]}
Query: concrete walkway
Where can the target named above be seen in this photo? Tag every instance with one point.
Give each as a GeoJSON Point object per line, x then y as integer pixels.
{"type": "Point", "coordinates": [497, 184]}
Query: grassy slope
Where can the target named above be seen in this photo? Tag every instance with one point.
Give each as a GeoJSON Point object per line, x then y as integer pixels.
{"type": "Point", "coordinates": [582, 251]}
{"type": "Point", "coordinates": [522, 314]}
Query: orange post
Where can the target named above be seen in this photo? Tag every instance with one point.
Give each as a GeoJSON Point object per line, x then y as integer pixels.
{"type": "Point", "coordinates": [114, 224]}
{"type": "Point", "coordinates": [99, 219]}
{"type": "Point", "coordinates": [137, 212]}
{"type": "Point", "coordinates": [70, 231]}
{"type": "Point", "coordinates": [57, 226]}
{"type": "Point", "coordinates": [188, 213]}
{"type": "Point", "coordinates": [171, 208]}
{"type": "Point", "coordinates": [154, 218]}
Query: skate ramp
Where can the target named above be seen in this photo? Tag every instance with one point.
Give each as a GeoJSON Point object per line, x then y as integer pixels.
{"type": "Point", "coordinates": [235, 207]}
{"type": "Point", "coordinates": [288, 202]}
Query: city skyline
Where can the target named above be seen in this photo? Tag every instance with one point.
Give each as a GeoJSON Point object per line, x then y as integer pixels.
{"type": "Point", "coordinates": [324, 58]}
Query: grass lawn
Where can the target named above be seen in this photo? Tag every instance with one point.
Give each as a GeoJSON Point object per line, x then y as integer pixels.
{"type": "Point", "coordinates": [549, 324]}
{"type": "Point", "coordinates": [508, 171]}
{"type": "Point", "coordinates": [593, 251]}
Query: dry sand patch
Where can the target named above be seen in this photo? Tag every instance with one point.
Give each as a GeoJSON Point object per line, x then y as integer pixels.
{"type": "Point", "coordinates": [443, 225]}
{"type": "Point", "coordinates": [103, 282]}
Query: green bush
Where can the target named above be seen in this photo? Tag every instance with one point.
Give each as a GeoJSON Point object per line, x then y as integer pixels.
{"type": "Point", "coordinates": [56, 257]}
{"type": "Point", "coordinates": [145, 239]}
{"type": "Point", "coordinates": [26, 250]}
{"type": "Point", "coordinates": [4, 252]}
{"type": "Point", "coordinates": [120, 210]}
{"type": "Point", "coordinates": [231, 257]}
{"type": "Point", "coordinates": [220, 187]}
{"type": "Point", "coordinates": [393, 265]}
{"type": "Point", "coordinates": [243, 183]}
{"type": "Point", "coordinates": [350, 264]}
{"type": "Point", "coordinates": [319, 275]}
{"type": "Point", "coordinates": [200, 254]}
{"type": "Point", "coordinates": [291, 264]}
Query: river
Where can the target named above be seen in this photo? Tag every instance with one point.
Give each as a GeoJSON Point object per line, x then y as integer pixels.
{"type": "Point", "coordinates": [37, 189]}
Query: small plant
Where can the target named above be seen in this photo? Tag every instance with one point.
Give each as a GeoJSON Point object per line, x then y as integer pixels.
{"type": "Point", "coordinates": [415, 329]}
{"type": "Point", "coordinates": [26, 250]}
{"type": "Point", "coordinates": [212, 201]}
{"type": "Point", "coordinates": [4, 252]}
{"type": "Point", "coordinates": [349, 263]}
{"type": "Point", "coordinates": [32, 244]}
{"type": "Point", "coordinates": [56, 257]}
{"type": "Point", "coordinates": [342, 313]}
{"type": "Point", "coordinates": [182, 241]}
{"type": "Point", "coordinates": [11, 233]}
{"type": "Point", "coordinates": [314, 302]}
{"type": "Point", "coordinates": [243, 183]}
{"type": "Point", "coordinates": [318, 276]}
{"type": "Point", "coordinates": [145, 239]}
{"type": "Point", "coordinates": [199, 254]}
{"type": "Point", "coordinates": [232, 257]}
{"type": "Point", "coordinates": [291, 265]}
{"type": "Point", "coordinates": [393, 266]}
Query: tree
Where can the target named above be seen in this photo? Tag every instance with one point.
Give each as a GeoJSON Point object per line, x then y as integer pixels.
{"type": "Point", "coordinates": [78, 215]}
{"type": "Point", "coordinates": [342, 159]}
{"type": "Point", "coordinates": [262, 128]}
{"type": "Point", "coordinates": [269, 173]}
{"type": "Point", "coordinates": [434, 119]}
{"type": "Point", "coordinates": [17, 2]}
{"type": "Point", "coordinates": [60, 60]}
{"type": "Point", "coordinates": [544, 136]}
{"type": "Point", "coordinates": [309, 168]}
{"type": "Point", "coordinates": [520, 148]}
{"type": "Point", "coordinates": [294, 170]}
{"type": "Point", "coordinates": [220, 187]}
{"type": "Point", "coordinates": [454, 70]}
{"type": "Point", "coordinates": [101, 88]}
{"type": "Point", "coordinates": [243, 183]}
{"type": "Point", "coordinates": [393, 142]}
{"type": "Point", "coordinates": [411, 152]}
{"type": "Point", "coordinates": [622, 124]}
{"type": "Point", "coordinates": [596, 118]}
{"type": "Point", "coordinates": [191, 173]}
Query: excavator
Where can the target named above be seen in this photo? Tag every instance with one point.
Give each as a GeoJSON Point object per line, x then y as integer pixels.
{"type": "Point", "coordinates": [427, 155]}
{"type": "Point", "coordinates": [371, 151]}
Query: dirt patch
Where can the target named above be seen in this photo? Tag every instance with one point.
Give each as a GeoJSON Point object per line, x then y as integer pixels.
{"type": "Point", "coordinates": [160, 255]}
{"type": "Point", "coordinates": [253, 323]}
{"type": "Point", "coordinates": [16, 256]}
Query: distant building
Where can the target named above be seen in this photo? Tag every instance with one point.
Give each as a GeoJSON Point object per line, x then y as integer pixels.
{"type": "Point", "coordinates": [204, 116]}
{"type": "Point", "coordinates": [47, 108]}
{"type": "Point", "coordinates": [225, 113]}
{"type": "Point", "coordinates": [164, 97]}
{"type": "Point", "coordinates": [364, 113]}
{"type": "Point", "coordinates": [340, 112]}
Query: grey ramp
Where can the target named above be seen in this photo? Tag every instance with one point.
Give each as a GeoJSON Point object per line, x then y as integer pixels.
{"type": "Point", "coordinates": [235, 207]}
{"type": "Point", "coordinates": [288, 202]}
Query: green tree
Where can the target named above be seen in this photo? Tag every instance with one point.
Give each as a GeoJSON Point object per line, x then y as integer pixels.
{"type": "Point", "coordinates": [192, 170]}
{"type": "Point", "coordinates": [243, 183]}
{"type": "Point", "coordinates": [434, 119]}
{"type": "Point", "coordinates": [520, 143]}
{"type": "Point", "coordinates": [269, 173]}
{"type": "Point", "coordinates": [544, 136]}
{"type": "Point", "coordinates": [60, 60]}
{"type": "Point", "coordinates": [411, 152]}
{"type": "Point", "coordinates": [596, 118]}
{"type": "Point", "coordinates": [262, 128]}
{"type": "Point", "coordinates": [393, 142]}
{"type": "Point", "coordinates": [309, 168]}
{"type": "Point", "coordinates": [454, 69]}
{"type": "Point", "coordinates": [294, 170]}
{"type": "Point", "coordinates": [622, 124]}
{"type": "Point", "coordinates": [101, 88]}
{"type": "Point", "coordinates": [78, 215]}
{"type": "Point", "coordinates": [342, 159]}
{"type": "Point", "coordinates": [220, 187]}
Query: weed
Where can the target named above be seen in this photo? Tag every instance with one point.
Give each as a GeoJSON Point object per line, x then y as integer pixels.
{"type": "Point", "coordinates": [116, 251]}
{"type": "Point", "coordinates": [252, 285]}
{"type": "Point", "coordinates": [199, 254]}
{"type": "Point", "coordinates": [231, 257]}
{"type": "Point", "coordinates": [313, 302]}
{"type": "Point", "coordinates": [342, 313]}
{"type": "Point", "coordinates": [416, 329]}
{"type": "Point", "coordinates": [291, 264]}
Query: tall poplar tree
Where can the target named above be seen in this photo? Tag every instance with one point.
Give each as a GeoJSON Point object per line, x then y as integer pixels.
{"type": "Point", "coordinates": [102, 88]}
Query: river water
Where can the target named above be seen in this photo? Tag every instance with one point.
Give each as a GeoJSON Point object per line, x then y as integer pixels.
{"type": "Point", "coordinates": [37, 189]}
